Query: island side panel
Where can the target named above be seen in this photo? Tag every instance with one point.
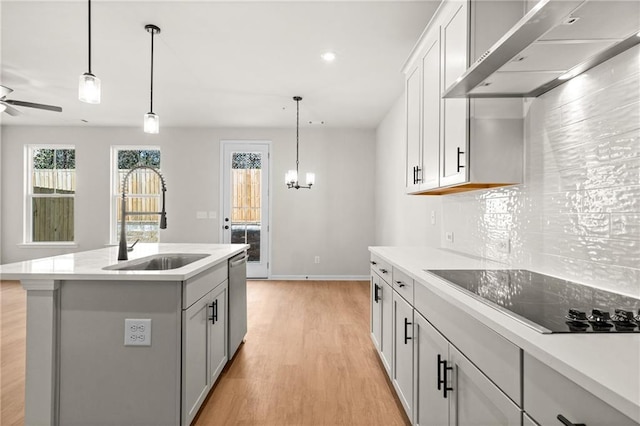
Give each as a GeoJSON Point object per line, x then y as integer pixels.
{"type": "Point", "coordinates": [41, 398]}
{"type": "Point", "coordinates": [101, 380]}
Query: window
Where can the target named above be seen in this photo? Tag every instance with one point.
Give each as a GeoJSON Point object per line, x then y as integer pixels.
{"type": "Point", "coordinates": [50, 192]}
{"type": "Point", "coordinates": [144, 193]}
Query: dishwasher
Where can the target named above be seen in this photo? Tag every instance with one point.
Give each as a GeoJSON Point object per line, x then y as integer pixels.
{"type": "Point", "coordinates": [237, 301]}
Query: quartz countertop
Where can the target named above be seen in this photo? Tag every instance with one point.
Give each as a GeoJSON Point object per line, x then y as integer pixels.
{"type": "Point", "coordinates": [607, 365]}
{"type": "Point", "coordinates": [88, 265]}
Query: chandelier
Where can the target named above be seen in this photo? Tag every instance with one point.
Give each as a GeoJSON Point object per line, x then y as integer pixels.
{"type": "Point", "coordinates": [291, 178]}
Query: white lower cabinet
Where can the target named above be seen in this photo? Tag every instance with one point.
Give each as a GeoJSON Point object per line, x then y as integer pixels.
{"type": "Point", "coordinates": [475, 400]}
{"type": "Point", "coordinates": [218, 339]}
{"type": "Point", "coordinates": [430, 349]}
{"type": "Point", "coordinates": [450, 390]}
{"type": "Point", "coordinates": [552, 399]}
{"type": "Point", "coordinates": [204, 348]}
{"type": "Point", "coordinates": [381, 321]}
{"type": "Point", "coordinates": [403, 352]}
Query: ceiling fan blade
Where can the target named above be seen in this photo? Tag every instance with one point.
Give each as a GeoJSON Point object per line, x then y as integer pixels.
{"type": "Point", "coordinates": [4, 91]}
{"type": "Point", "coordinates": [10, 110]}
{"type": "Point", "coordinates": [34, 105]}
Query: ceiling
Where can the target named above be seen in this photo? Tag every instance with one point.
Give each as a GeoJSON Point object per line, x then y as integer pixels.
{"type": "Point", "coordinates": [217, 64]}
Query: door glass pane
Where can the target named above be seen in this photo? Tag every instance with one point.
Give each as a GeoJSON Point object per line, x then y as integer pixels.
{"type": "Point", "coordinates": [246, 184]}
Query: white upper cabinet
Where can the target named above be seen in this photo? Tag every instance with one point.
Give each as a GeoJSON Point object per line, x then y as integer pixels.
{"type": "Point", "coordinates": [455, 145]}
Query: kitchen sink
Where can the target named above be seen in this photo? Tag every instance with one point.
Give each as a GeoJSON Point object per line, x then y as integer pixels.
{"type": "Point", "coordinates": [158, 262]}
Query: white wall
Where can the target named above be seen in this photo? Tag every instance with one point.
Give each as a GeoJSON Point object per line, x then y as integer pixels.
{"type": "Point", "coordinates": [401, 220]}
{"type": "Point", "coordinates": [578, 214]}
{"type": "Point", "coordinates": [333, 220]}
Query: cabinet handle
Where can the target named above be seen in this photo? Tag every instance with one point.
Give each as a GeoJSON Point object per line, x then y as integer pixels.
{"type": "Point", "coordinates": [215, 311]}
{"type": "Point", "coordinates": [400, 284]}
{"type": "Point", "coordinates": [460, 152]}
{"type": "Point", "coordinates": [374, 262]}
{"type": "Point", "coordinates": [418, 171]}
{"type": "Point", "coordinates": [414, 175]}
{"type": "Point", "coordinates": [384, 271]}
{"type": "Point", "coordinates": [566, 422]}
{"type": "Point", "coordinates": [376, 296]}
{"type": "Point", "coordinates": [442, 380]}
{"type": "Point", "coordinates": [406, 331]}
{"type": "Point", "coordinates": [212, 317]}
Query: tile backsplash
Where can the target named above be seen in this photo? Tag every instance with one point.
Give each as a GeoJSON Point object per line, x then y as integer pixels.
{"type": "Point", "coordinates": [577, 214]}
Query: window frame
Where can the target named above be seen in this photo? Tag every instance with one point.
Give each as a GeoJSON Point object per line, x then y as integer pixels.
{"type": "Point", "coordinates": [114, 231]}
{"type": "Point", "coordinates": [29, 195]}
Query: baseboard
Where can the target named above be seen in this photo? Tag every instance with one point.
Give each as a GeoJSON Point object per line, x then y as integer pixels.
{"type": "Point", "coordinates": [320, 277]}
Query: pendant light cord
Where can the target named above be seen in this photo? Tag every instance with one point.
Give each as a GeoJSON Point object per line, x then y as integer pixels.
{"type": "Point", "coordinates": [151, 97]}
{"type": "Point", "coordinates": [297, 134]}
{"type": "Point", "coordinates": [89, 36]}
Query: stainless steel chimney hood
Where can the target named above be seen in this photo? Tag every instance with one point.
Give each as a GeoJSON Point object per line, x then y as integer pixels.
{"type": "Point", "coordinates": [555, 41]}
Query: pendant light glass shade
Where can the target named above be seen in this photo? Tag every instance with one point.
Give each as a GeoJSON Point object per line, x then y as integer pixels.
{"type": "Point", "coordinates": [311, 179]}
{"type": "Point", "coordinates": [89, 85]}
{"type": "Point", "coordinates": [89, 88]}
{"type": "Point", "coordinates": [151, 123]}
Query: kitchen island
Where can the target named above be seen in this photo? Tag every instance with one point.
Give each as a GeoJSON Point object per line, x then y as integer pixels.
{"type": "Point", "coordinates": [519, 372]}
{"type": "Point", "coordinates": [119, 346]}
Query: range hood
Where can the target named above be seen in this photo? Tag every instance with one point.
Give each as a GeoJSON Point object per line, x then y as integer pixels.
{"type": "Point", "coordinates": [555, 41]}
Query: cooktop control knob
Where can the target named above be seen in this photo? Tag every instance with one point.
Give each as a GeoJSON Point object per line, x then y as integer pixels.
{"type": "Point", "coordinates": [577, 315]}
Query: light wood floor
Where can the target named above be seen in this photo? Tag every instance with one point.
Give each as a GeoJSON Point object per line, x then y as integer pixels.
{"type": "Point", "coordinates": [308, 360]}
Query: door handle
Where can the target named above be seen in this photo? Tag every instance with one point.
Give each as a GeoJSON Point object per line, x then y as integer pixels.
{"type": "Point", "coordinates": [226, 227]}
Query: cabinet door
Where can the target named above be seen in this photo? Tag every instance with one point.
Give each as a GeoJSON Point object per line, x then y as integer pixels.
{"type": "Point", "coordinates": [455, 127]}
{"type": "Point", "coordinates": [475, 400]}
{"type": "Point", "coordinates": [548, 394]}
{"type": "Point", "coordinates": [430, 174]}
{"type": "Point", "coordinates": [414, 165]}
{"type": "Point", "coordinates": [403, 352]}
{"type": "Point", "coordinates": [195, 385]}
{"type": "Point", "coordinates": [217, 331]}
{"type": "Point", "coordinates": [386, 343]}
{"type": "Point", "coordinates": [376, 311]}
{"type": "Point", "coordinates": [430, 347]}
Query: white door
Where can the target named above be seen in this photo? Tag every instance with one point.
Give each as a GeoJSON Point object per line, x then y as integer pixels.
{"type": "Point", "coordinates": [245, 201]}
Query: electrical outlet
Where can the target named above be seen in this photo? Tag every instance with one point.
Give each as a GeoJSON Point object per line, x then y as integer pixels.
{"type": "Point", "coordinates": [433, 217]}
{"type": "Point", "coordinates": [137, 332]}
{"type": "Point", "coordinates": [317, 259]}
{"type": "Point", "coordinates": [201, 215]}
{"type": "Point", "coordinates": [449, 236]}
{"type": "Point", "coordinates": [504, 245]}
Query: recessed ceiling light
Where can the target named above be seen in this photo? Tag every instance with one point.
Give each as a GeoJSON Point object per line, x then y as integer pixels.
{"type": "Point", "coordinates": [328, 56]}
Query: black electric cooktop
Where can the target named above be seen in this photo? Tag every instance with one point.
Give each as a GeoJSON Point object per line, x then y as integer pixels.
{"type": "Point", "coordinates": [548, 304]}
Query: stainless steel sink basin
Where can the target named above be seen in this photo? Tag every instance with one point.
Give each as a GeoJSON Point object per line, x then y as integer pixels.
{"type": "Point", "coordinates": [158, 262]}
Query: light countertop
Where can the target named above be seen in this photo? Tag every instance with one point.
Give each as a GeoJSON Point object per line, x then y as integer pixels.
{"type": "Point", "coordinates": [88, 265]}
{"type": "Point", "coordinates": [607, 365]}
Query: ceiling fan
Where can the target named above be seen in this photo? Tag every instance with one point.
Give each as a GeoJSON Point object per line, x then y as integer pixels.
{"type": "Point", "coordinates": [6, 105]}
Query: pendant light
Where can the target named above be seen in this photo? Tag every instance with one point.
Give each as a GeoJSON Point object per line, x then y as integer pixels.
{"type": "Point", "coordinates": [89, 87]}
{"type": "Point", "coordinates": [291, 178]}
{"type": "Point", "coordinates": [151, 120]}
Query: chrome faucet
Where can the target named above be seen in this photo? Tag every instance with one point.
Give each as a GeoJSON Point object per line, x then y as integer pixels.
{"type": "Point", "coordinates": [122, 248]}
